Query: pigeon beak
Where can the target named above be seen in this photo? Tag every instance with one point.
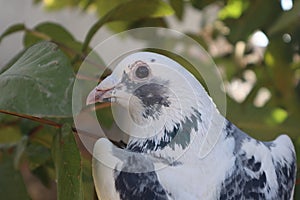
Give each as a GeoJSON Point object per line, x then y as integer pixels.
{"type": "Point", "coordinates": [104, 91]}
{"type": "Point", "coordinates": [99, 95]}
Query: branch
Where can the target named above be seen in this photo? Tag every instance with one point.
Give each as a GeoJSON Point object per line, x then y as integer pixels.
{"type": "Point", "coordinates": [47, 122]}
{"type": "Point", "coordinates": [119, 144]}
{"type": "Point", "coordinates": [36, 119]}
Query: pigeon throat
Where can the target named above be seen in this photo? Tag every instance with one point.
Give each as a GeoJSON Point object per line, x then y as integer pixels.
{"type": "Point", "coordinates": [179, 136]}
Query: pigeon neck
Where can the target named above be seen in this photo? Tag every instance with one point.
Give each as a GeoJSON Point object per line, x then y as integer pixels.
{"type": "Point", "coordinates": [180, 135]}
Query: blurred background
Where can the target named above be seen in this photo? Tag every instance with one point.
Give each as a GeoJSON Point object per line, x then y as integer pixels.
{"type": "Point", "coordinates": [255, 44]}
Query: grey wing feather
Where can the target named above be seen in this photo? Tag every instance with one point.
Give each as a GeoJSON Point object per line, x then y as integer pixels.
{"type": "Point", "coordinates": [249, 177]}
{"type": "Point", "coordinates": [286, 176]}
{"type": "Point", "coordinates": [240, 184]}
{"type": "Point", "coordinates": [135, 184]}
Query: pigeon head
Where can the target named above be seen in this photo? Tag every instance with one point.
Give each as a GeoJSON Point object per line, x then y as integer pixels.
{"type": "Point", "coordinates": [158, 93]}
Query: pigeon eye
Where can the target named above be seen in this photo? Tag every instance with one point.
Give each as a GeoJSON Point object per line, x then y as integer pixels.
{"type": "Point", "coordinates": [142, 71]}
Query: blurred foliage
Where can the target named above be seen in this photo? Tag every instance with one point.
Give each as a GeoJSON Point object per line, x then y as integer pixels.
{"type": "Point", "coordinates": [31, 126]}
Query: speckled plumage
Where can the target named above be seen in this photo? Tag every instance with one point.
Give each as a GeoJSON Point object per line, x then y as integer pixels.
{"type": "Point", "coordinates": [172, 121]}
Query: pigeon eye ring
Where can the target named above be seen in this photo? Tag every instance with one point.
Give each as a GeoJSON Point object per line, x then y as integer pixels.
{"type": "Point", "coordinates": [141, 71]}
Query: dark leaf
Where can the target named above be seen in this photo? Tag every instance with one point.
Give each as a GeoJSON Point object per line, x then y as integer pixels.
{"type": "Point", "coordinates": [233, 9]}
{"type": "Point", "coordinates": [12, 29]}
{"type": "Point", "coordinates": [73, 173]}
{"type": "Point", "coordinates": [286, 20]}
{"type": "Point", "coordinates": [200, 4]}
{"type": "Point", "coordinates": [178, 7]}
{"type": "Point", "coordinates": [54, 31]}
{"type": "Point", "coordinates": [264, 13]}
{"type": "Point", "coordinates": [67, 160]}
{"type": "Point", "coordinates": [41, 173]}
{"type": "Point", "coordinates": [11, 182]}
{"type": "Point", "coordinates": [105, 117]}
{"type": "Point", "coordinates": [12, 61]}
{"type": "Point", "coordinates": [37, 155]}
{"type": "Point", "coordinates": [39, 82]}
{"type": "Point", "coordinates": [9, 136]}
{"type": "Point", "coordinates": [130, 11]}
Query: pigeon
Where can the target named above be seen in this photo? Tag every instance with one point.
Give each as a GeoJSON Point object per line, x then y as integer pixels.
{"type": "Point", "coordinates": [180, 147]}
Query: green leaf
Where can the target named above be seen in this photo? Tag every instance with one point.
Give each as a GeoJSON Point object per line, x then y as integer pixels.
{"type": "Point", "coordinates": [12, 29]}
{"type": "Point", "coordinates": [54, 31]}
{"type": "Point", "coordinates": [150, 22]}
{"type": "Point", "coordinates": [12, 61]}
{"type": "Point", "coordinates": [39, 83]}
{"type": "Point", "coordinates": [66, 158]}
{"type": "Point", "coordinates": [56, 4]}
{"type": "Point", "coordinates": [49, 31]}
{"type": "Point", "coordinates": [44, 136]}
{"type": "Point", "coordinates": [57, 34]}
{"type": "Point", "coordinates": [259, 15]}
{"type": "Point", "coordinates": [74, 179]}
{"type": "Point", "coordinates": [233, 9]}
{"type": "Point", "coordinates": [42, 174]}
{"type": "Point", "coordinates": [11, 182]}
{"type": "Point", "coordinates": [278, 116]}
{"type": "Point", "coordinates": [105, 117]}
{"type": "Point", "coordinates": [105, 6]}
{"type": "Point", "coordinates": [178, 7]}
{"type": "Point", "coordinates": [200, 4]}
{"type": "Point", "coordinates": [130, 11]}
{"type": "Point", "coordinates": [37, 155]}
{"type": "Point", "coordinates": [87, 184]}
{"type": "Point", "coordinates": [9, 136]}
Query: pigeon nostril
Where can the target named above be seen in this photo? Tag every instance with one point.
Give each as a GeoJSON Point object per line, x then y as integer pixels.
{"type": "Point", "coordinates": [101, 90]}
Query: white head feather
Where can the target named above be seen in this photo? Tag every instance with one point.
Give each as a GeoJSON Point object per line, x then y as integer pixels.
{"type": "Point", "coordinates": [158, 102]}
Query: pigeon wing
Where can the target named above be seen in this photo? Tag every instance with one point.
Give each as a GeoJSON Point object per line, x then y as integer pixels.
{"type": "Point", "coordinates": [262, 170]}
{"type": "Point", "coordinates": [121, 174]}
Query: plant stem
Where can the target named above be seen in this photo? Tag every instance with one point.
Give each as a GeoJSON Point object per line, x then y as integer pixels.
{"type": "Point", "coordinates": [33, 118]}
{"type": "Point", "coordinates": [48, 122]}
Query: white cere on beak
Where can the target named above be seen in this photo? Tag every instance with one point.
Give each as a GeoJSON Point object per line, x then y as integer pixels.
{"type": "Point", "coordinates": [102, 92]}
